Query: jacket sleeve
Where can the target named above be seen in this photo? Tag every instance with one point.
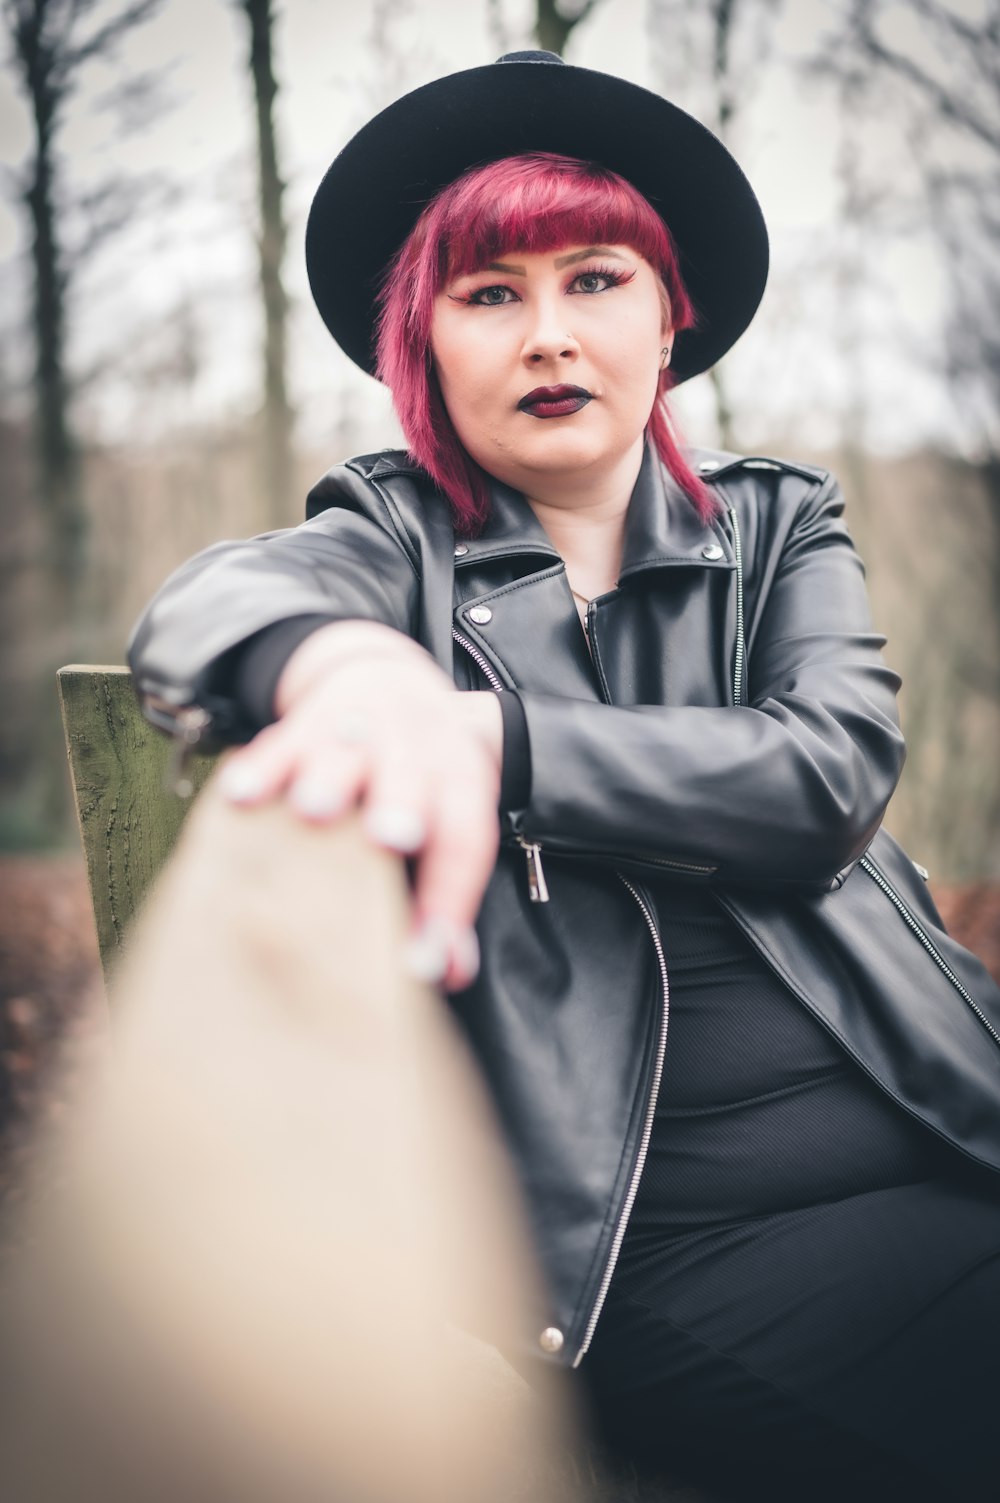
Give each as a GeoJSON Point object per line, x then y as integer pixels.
{"type": "Point", "coordinates": [786, 789]}
{"type": "Point", "coordinates": [344, 564]}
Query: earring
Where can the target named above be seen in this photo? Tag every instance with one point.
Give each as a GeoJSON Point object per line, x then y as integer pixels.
{"type": "Point", "coordinates": [664, 357]}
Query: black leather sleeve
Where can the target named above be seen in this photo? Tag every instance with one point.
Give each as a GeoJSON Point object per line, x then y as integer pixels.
{"type": "Point", "coordinates": [346, 563]}
{"type": "Point", "coordinates": [789, 788]}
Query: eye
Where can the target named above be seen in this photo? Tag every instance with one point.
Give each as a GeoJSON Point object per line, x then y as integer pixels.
{"type": "Point", "coordinates": [600, 279]}
{"type": "Point", "coordinates": [491, 297]}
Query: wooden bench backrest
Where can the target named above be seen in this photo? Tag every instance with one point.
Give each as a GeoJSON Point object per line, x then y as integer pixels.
{"type": "Point", "coordinates": [129, 819]}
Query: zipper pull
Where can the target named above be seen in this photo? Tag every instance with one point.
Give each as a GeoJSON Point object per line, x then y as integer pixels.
{"type": "Point", "coordinates": [537, 886]}
{"type": "Point", "coordinates": [190, 725]}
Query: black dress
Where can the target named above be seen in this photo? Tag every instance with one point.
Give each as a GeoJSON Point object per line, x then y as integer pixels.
{"type": "Point", "coordinates": [807, 1299]}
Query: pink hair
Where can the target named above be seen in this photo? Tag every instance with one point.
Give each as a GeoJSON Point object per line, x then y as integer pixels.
{"type": "Point", "coordinates": [535, 202]}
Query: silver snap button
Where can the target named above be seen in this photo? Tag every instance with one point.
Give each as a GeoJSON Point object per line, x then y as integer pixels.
{"type": "Point", "coordinates": [711, 550]}
{"type": "Point", "coordinates": [551, 1339]}
{"type": "Point", "coordinates": [480, 614]}
{"type": "Point", "coordinates": [706, 466]}
{"type": "Point", "coordinates": [460, 549]}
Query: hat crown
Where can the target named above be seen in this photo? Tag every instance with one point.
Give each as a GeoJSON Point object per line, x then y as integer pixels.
{"type": "Point", "coordinates": [531, 57]}
{"type": "Point", "coordinates": [394, 166]}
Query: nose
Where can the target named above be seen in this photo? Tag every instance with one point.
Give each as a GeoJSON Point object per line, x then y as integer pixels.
{"type": "Point", "coordinates": [547, 338]}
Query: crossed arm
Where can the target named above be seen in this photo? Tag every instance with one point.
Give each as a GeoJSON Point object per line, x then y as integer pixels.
{"type": "Point", "coordinates": [787, 789]}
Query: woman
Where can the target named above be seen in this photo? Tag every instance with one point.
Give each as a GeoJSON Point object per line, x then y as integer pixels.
{"type": "Point", "coordinates": [771, 1244]}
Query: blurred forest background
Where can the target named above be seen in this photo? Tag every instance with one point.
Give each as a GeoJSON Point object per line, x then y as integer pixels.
{"type": "Point", "coordinates": [165, 381]}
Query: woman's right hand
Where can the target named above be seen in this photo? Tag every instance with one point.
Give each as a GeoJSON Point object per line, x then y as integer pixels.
{"type": "Point", "coordinates": [367, 717]}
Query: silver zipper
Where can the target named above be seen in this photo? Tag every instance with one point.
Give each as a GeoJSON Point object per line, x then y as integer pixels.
{"type": "Point", "coordinates": [647, 1131]}
{"type": "Point", "coordinates": [489, 673]}
{"type": "Point", "coordinates": [740, 654]}
{"type": "Point", "coordinates": [927, 943]}
{"type": "Point", "coordinates": [540, 894]}
{"type": "Point", "coordinates": [538, 888]}
{"type": "Point", "coordinates": [640, 858]}
{"type": "Point", "coordinates": [190, 725]}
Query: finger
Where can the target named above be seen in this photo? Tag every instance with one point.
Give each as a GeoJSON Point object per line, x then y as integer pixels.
{"type": "Point", "coordinates": [452, 874]}
{"type": "Point", "coordinates": [396, 800]}
{"type": "Point", "coordinates": [329, 781]}
{"type": "Point", "coordinates": [259, 770]}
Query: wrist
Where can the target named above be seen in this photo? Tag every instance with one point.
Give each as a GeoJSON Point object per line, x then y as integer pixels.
{"type": "Point", "coordinates": [482, 710]}
{"type": "Point", "coordinates": [342, 644]}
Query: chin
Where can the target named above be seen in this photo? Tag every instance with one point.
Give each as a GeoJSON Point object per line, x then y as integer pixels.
{"type": "Point", "coordinates": [554, 451]}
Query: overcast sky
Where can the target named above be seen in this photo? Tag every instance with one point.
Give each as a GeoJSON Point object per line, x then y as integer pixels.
{"type": "Point", "coordinates": [190, 263]}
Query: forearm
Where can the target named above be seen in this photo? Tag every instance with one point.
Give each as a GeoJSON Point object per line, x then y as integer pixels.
{"type": "Point", "coordinates": [782, 794]}
{"type": "Point", "coordinates": [186, 646]}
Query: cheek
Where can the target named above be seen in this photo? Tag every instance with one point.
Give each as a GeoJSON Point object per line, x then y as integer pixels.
{"type": "Point", "coordinates": [631, 345]}
{"type": "Point", "coordinates": [464, 366]}
{"type": "Point", "coordinates": [633, 369]}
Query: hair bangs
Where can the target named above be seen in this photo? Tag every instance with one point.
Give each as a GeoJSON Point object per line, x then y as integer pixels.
{"type": "Point", "coordinates": [540, 202]}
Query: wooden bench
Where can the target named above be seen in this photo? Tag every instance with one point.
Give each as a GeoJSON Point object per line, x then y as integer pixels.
{"type": "Point", "coordinates": [129, 817]}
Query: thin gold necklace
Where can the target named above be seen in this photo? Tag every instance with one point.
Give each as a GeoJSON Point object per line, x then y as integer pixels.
{"type": "Point", "coordinates": [585, 598]}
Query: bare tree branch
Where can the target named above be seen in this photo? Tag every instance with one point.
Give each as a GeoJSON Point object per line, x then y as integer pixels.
{"type": "Point", "coordinates": [953, 104]}
{"type": "Point", "coordinates": [554, 23]}
{"type": "Point", "coordinates": [497, 27]}
{"type": "Point", "coordinates": [49, 50]}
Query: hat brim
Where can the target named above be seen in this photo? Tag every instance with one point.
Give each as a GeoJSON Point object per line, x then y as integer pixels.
{"type": "Point", "coordinates": [374, 191]}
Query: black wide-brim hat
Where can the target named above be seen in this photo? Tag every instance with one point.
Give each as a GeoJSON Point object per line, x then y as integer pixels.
{"type": "Point", "coordinates": [374, 191]}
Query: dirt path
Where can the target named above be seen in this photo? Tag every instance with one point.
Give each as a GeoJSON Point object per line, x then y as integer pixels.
{"type": "Point", "coordinates": [48, 966]}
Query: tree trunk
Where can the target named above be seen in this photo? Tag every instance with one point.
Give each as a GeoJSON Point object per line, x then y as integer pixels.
{"type": "Point", "coordinates": [722, 21]}
{"type": "Point", "coordinates": [272, 238]}
{"type": "Point", "coordinates": [60, 493]}
{"type": "Point", "coordinates": [552, 28]}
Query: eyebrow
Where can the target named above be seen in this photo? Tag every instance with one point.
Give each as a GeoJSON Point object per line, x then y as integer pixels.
{"type": "Point", "coordinates": [592, 250]}
{"type": "Point", "coordinates": [560, 261]}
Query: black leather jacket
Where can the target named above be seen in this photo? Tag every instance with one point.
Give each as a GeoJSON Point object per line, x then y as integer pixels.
{"type": "Point", "coordinates": [735, 726]}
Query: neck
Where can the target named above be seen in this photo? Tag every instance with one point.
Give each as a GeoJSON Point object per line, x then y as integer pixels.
{"type": "Point", "coordinates": [584, 515]}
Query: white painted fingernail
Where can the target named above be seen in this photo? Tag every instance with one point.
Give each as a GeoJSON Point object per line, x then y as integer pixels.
{"type": "Point", "coordinates": [316, 800]}
{"type": "Point", "coordinates": [401, 829]}
{"type": "Point", "coordinates": [240, 783]}
{"type": "Point", "coordinates": [426, 955]}
{"type": "Point", "coordinates": [466, 952]}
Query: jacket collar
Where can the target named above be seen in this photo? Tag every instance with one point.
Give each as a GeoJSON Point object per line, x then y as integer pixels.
{"type": "Point", "coordinates": [662, 528]}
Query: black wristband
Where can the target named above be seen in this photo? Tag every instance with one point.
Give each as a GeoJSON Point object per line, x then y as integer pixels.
{"type": "Point", "coordinates": [256, 665]}
{"type": "Point", "coordinates": [515, 778]}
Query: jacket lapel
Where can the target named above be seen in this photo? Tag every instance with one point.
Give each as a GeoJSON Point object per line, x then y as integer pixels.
{"type": "Point", "coordinates": [513, 601]}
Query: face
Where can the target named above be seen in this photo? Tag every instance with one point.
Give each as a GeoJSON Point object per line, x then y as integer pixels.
{"type": "Point", "coordinates": [548, 363]}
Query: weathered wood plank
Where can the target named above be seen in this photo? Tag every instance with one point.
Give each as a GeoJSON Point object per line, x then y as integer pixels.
{"type": "Point", "coordinates": [129, 820]}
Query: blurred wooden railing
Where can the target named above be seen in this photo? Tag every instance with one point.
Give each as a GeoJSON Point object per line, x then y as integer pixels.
{"type": "Point", "coordinates": [275, 1248]}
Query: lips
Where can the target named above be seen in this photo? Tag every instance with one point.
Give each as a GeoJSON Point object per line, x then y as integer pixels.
{"type": "Point", "coordinates": [554, 401]}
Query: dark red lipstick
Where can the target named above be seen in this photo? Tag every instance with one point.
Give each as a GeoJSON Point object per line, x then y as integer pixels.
{"type": "Point", "coordinates": [554, 401]}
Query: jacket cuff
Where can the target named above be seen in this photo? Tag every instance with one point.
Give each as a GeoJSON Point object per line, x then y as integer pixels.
{"type": "Point", "coordinates": [515, 780]}
{"type": "Point", "coordinates": [250, 672]}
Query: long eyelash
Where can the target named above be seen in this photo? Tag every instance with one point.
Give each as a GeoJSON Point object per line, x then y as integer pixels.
{"type": "Point", "coordinates": [616, 275]}
{"type": "Point", "coordinates": [474, 295]}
